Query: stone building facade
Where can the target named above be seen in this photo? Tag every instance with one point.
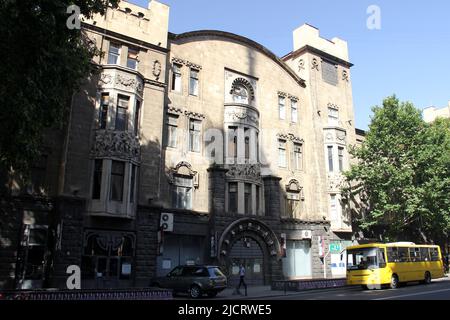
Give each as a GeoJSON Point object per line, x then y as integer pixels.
{"type": "Point", "coordinates": [432, 113]}
{"type": "Point", "coordinates": [200, 147]}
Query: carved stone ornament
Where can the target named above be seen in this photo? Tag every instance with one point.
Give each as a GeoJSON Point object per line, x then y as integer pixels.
{"type": "Point", "coordinates": [244, 172]}
{"type": "Point", "coordinates": [156, 69]}
{"type": "Point", "coordinates": [193, 65]}
{"type": "Point", "coordinates": [335, 182]}
{"type": "Point", "coordinates": [301, 64]}
{"type": "Point", "coordinates": [345, 76]}
{"type": "Point", "coordinates": [106, 78]}
{"type": "Point", "coordinates": [174, 110]}
{"type": "Point", "coordinates": [315, 64]}
{"type": "Point", "coordinates": [130, 83]}
{"type": "Point", "coordinates": [293, 98]}
{"type": "Point", "coordinates": [341, 136]}
{"type": "Point", "coordinates": [183, 168]}
{"type": "Point", "coordinates": [333, 106]}
{"type": "Point", "coordinates": [194, 115]}
{"type": "Point", "coordinates": [290, 137]}
{"type": "Point", "coordinates": [243, 115]}
{"type": "Point", "coordinates": [116, 144]}
{"type": "Point", "coordinates": [178, 61]}
{"type": "Point", "coordinates": [238, 82]}
{"type": "Point", "coordinates": [282, 94]}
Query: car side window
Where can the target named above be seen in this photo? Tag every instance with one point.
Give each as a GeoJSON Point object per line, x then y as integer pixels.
{"type": "Point", "coordinates": [176, 272]}
{"type": "Point", "coordinates": [200, 272]}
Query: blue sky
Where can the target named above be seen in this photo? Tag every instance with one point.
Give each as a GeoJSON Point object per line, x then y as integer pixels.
{"type": "Point", "coordinates": [409, 56]}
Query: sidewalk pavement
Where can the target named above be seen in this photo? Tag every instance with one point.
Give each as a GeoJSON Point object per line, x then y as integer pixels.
{"type": "Point", "coordinates": [253, 292]}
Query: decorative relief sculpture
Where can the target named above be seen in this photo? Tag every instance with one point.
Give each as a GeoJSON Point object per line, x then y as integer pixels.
{"type": "Point", "coordinates": [183, 168]}
{"type": "Point", "coordinates": [193, 65]}
{"type": "Point", "coordinates": [333, 106]}
{"type": "Point", "coordinates": [194, 115]}
{"type": "Point", "coordinates": [178, 61]}
{"type": "Point", "coordinates": [301, 64]}
{"type": "Point", "coordinates": [106, 78]}
{"type": "Point", "coordinates": [290, 137]}
{"type": "Point", "coordinates": [345, 76]}
{"type": "Point", "coordinates": [315, 64]}
{"type": "Point", "coordinates": [244, 171]}
{"type": "Point", "coordinates": [156, 69]}
{"type": "Point", "coordinates": [282, 94]}
{"type": "Point", "coordinates": [335, 182]}
{"type": "Point", "coordinates": [174, 110]}
{"type": "Point", "coordinates": [242, 115]}
{"type": "Point", "coordinates": [293, 98]}
{"type": "Point", "coordinates": [129, 83]}
{"type": "Point", "coordinates": [237, 85]}
{"type": "Point", "coordinates": [116, 144]}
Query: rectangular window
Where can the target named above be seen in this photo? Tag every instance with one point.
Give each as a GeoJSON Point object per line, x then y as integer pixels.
{"type": "Point", "coordinates": [104, 104]}
{"type": "Point", "coordinates": [194, 135]}
{"type": "Point", "coordinates": [257, 147]}
{"type": "Point", "coordinates": [176, 78]}
{"type": "Point", "coordinates": [333, 117]}
{"type": "Point", "coordinates": [193, 82]}
{"type": "Point", "coordinates": [113, 53]}
{"type": "Point", "coordinates": [292, 202]}
{"type": "Point", "coordinates": [330, 73]}
{"type": "Point", "coordinates": [258, 206]}
{"type": "Point", "coordinates": [182, 196]}
{"type": "Point", "coordinates": [172, 126]}
{"type": "Point", "coordinates": [294, 111]}
{"type": "Point", "coordinates": [232, 197]}
{"type": "Point", "coordinates": [97, 183]}
{"type": "Point", "coordinates": [282, 107]}
{"type": "Point", "coordinates": [333, 208]}
{"type": "Point", "coordinates": [341, 158]}
{"type": "Point", "coordinates": [248, 198]}
{"type": "Point", "coordinates": [132, 182]}
{"type": "Point", "coordinates": [247, 143]}
{"type": "Point", "coordinates": [282, 153]}
{"type": "Point", "coordinates": [232, 142]}
{"type": "Point", "coordinates": [132, 59]}
{"type": "Point", "coordinates": [117, 177]}
{"type": "Point", "coordinates": [137, 112]}
{"type": "Point", "coordinates": [297, 157]}
{"type": "Point", "coordinates": [330, 158]}
{"type": "Point", "coordinates": [122, 113]}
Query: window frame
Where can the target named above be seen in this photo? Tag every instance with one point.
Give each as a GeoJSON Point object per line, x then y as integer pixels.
{"type": "Point", "coordinates": [135, 59]}
{"type": "Point", "coordinates": [282, 153]}
{"type": "Point", "coordinates": [120, 176]}
{"type": "Point", "coordinates": [281, 108]}
{"type": "Point", "coordinates": [119, 106]}
{"type": "Point", "coordinates": [116, 55]}
{"type": "Point", "coordinates": [177, 78]}
{"type": "Point", "coordinates": [196, 80]}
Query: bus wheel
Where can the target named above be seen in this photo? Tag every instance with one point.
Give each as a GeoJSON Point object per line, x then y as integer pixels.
{"type": "Point", "coordinates": [427, 279]}
{"type": "Point", "coordinates": [394, 282]}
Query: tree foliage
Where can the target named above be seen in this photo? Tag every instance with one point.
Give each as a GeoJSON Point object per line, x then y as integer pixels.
{"type": "Point", "coordinates": [402, 175]}
{"type": "Point", "coordinates": [43, 62]}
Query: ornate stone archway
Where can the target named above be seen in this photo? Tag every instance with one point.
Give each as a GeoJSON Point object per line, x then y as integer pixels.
{"type": "Point", "coordinates": [257, 230]}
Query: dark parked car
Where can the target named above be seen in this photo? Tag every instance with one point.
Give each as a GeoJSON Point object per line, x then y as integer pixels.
{"type": "Point", "coordinates": [195, 280]}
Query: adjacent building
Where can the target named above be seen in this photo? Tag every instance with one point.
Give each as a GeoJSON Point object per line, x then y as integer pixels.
{"type": "Point", "coordinates": [432, 113]}
{"type": "Point", "coordinates": [200, 147]}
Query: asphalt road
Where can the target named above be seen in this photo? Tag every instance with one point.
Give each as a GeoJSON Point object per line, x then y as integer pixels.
{"type": "Point", "coordinates": [437, 290]}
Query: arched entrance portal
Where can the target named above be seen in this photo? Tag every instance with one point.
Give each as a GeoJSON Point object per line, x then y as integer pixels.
{"type": "Point", "coordinates": [253, 243]}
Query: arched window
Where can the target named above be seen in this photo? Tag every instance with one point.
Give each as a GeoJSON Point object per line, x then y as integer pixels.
{"type": "Point", "coordinates": [240, 94]}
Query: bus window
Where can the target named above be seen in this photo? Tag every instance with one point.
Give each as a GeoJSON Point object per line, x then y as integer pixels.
{"type": "Point", "coordinates": [434, 253]}
{"type": "Point", "coordinates": [403, 254]}
{"type": "Point", "coordinates": [365, 258]}
{"type": "Point", "coordinates": [414, 254]}
{"type": "Point", "coordinates": [392, 254]}
{"type": "Point", "coordinates": [424, 254]}
{"type": "Point", "coordinates": [381, 259]}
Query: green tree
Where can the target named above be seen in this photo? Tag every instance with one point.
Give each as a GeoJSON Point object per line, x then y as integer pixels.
{"type": "Point", "coordinates": [402, 175]}
{"type": "Point", "coordinates": [43, 63]}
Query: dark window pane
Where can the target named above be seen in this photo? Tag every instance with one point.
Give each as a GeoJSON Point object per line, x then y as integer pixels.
{"type": "Point", "coordinates": [97, 183]}
{"type": "Point", "coordinates": [104, 110]}
{"type": "Point", "coordinates": [136, 117]}
{"type": "Point", "coordinates": [117, 176]}
{"type": "Point", "coordinates": [232, 197]}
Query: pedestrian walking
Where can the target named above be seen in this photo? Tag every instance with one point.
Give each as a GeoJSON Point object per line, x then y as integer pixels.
{"type": "Point", "coordinates": [242, 279]}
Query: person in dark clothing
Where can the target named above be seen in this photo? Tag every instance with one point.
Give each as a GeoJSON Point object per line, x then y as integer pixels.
{"type": "Point", "coordinates": [242, 279]}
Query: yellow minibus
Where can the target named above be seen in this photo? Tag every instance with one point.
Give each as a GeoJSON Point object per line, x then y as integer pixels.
{"type": "Point", "coordinates": [378, 265]}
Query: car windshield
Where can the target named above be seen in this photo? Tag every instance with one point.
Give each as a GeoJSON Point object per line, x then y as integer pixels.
{"type": "Point", "coordinates": [215, 272]}
{"type": "Point", "coordinates": [365, 258]}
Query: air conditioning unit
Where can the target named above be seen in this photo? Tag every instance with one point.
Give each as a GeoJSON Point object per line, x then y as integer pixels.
{"type": "Point", "coordinates": [306, 234]}
{"type": "Point", "coordinates": [166, 222]}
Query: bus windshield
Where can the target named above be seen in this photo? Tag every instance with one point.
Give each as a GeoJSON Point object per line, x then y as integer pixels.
{"type": "Point", "coordinates": [365, 258]}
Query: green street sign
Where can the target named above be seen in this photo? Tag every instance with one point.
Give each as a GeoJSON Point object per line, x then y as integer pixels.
{"type": "Point", "coordinates": [335, 247]}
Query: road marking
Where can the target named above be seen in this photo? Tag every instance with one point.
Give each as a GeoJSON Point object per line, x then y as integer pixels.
{"type": "Point", "coordinates": [413, 294]}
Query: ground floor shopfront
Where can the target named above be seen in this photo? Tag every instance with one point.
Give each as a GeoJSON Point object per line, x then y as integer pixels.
{"type": "Point", "coordinates": [48, 237]}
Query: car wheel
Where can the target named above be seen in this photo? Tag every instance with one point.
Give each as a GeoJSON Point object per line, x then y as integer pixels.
{"type": "Point", "coordinates": [394, 282]}
{"type": "Point", "coordinates": [195, 292]}
{"type": "Point", "coordinates": [212, 294]}
{"type": "Point", "coordinates": [427, 279]}
{"type": "Point", "coordinates": [364, 287]}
